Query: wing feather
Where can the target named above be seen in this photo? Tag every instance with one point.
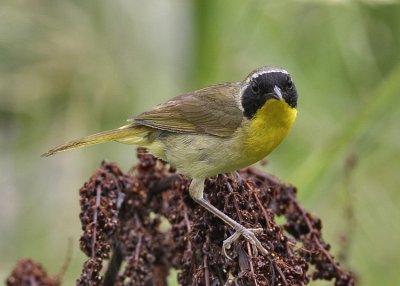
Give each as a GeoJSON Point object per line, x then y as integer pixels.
{"type": "Point", "coordinates": [212, 110]}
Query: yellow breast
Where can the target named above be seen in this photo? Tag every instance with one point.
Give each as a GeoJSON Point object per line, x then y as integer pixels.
{"type": "Point", "coordinates": [268, 128]}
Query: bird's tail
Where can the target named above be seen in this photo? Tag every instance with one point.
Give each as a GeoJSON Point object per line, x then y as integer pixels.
{"type": "Point", "coordinates": [129, 134]}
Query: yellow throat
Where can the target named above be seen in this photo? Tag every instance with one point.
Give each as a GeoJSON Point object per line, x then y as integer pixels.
{"type": "Point", "coordinates": [268, 128]}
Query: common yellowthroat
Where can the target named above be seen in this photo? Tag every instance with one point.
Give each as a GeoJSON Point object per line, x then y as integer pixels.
{"type": "Point", "coordinates": [214, 130]}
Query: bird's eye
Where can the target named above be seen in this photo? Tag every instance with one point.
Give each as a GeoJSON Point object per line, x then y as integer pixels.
{"type": "Point", "coordinates": [254, 87]}
{"type": "Point", "coordinates": [289, 84]}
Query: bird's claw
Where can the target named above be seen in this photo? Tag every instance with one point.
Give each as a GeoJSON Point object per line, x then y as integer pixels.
{"type": "Point", "coordinates": [250, 235]}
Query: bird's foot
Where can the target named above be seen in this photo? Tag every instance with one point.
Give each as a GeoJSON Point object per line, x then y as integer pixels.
{"type": "Point", "coordinates": [250, 235]}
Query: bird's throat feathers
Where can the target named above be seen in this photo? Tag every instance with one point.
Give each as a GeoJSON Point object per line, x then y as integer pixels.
{"type": "Point", "coordinates": [268, 128]}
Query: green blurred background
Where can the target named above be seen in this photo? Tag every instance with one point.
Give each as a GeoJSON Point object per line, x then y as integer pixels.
{"type": "Point", "coordinates": [71, 68]}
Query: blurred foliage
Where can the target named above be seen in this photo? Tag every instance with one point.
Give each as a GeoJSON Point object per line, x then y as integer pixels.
{"type": "Point", "coordinates": [71, 68]}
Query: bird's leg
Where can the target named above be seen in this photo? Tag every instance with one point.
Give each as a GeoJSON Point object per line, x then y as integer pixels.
{"type": "Point", "coordinates": [196, 192]}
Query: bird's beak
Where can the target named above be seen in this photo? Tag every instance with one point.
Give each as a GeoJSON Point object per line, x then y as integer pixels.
{"type": "Point", "coordinates": [277, 93]}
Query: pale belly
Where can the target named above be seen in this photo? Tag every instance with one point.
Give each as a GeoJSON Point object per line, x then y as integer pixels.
{"type": "Point", "coordinates": [203, 156]}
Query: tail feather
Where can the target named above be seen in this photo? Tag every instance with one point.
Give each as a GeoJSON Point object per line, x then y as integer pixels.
{"type": "Point", "coordinates": [130, 134]}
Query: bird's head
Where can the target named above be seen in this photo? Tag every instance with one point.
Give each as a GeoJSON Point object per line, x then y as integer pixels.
{"type": "Point", "coordinates": [266, 83]}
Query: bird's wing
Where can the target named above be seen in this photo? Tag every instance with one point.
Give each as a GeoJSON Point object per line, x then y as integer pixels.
{"type": "Point", "coordinates": [212, 110]}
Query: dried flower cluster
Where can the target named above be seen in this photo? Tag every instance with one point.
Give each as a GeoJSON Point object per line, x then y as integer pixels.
{"type": "Point", "coordinates": [101, 199]}
{"type": "Point", "coordinates": [148, 224]}
{"type": "Point", "coordinates": [28, 272]}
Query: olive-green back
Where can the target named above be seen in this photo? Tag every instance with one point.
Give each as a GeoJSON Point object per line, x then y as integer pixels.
{"type": "Point", "coordinates": [212, 110]}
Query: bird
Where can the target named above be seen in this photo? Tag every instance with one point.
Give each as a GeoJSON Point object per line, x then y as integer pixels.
{"type": "Point", "coordinates": [218, 129]}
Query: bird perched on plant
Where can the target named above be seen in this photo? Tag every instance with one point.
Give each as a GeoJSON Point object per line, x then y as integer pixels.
{"type": "Point", "coordinates": [214, 130]}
